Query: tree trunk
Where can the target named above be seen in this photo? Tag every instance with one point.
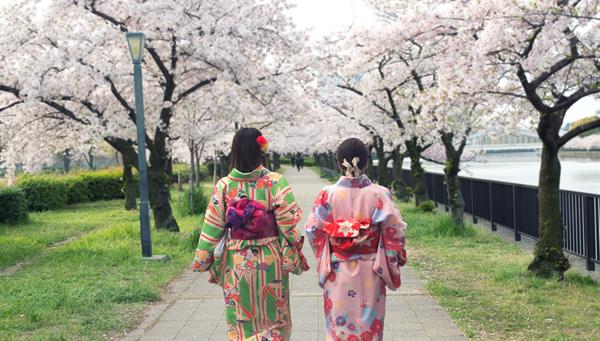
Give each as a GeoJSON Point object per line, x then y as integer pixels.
{"type": "Point", "coordinates": [223, 166]}
{"type": "Point", "coordinates": [276, 161]}
{"type": "Point", "coordinates": [451, 170]}
{"type": "Point", "coordinates": [198, 152]}
{"type": "Point", "coordinates": [549, 259]}
{"type": "Point", "coordinates": [382, 173]}
{"type": "Point", "coordinates": [159, 198]}
{"type": "Point", "coordinates": [455, 197]}
{"type": "Point", "coordinates": [169, 172]}
{"type": "Point", "coordinates": [371, 169]}
{"type": "Point", "coordinates": [67, 161]}
{"type": "Point", "coordinates": [399, 185]}
{"type": "Point", "coordinates": [129, 185]}
{"type": "Point", "coordinates": [158, 181]}
{"type": "Point", "coordinates": [416, 170]}
{"type": "Point", "coordinates": [91, 158]}
{"type": "Point", "coordinates": [192, 162]}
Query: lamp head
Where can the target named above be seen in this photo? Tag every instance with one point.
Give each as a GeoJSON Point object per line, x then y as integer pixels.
{"type": "Point", "coordinates": [135, 40]}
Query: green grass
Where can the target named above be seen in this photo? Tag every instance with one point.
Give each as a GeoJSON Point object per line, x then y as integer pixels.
{"type": "Point", "coordinates": [93, 287]}
{"type": "Point", "coordinates": [483, 283]}
{"type": "Point", "coordinates": [45, 228]}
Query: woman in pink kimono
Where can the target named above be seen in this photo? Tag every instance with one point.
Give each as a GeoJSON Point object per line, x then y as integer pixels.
{"type": "Point", "coordinates": [357, 235]}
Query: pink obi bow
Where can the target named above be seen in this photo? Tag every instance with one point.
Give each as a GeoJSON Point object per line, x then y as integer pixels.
{"type": "Point", "coordinates": [346, 228]}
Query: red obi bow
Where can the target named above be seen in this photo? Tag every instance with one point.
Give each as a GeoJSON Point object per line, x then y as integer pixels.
{"type": "Point", "coordinates": [346, 228]}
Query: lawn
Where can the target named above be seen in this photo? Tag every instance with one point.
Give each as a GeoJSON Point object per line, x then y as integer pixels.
{"type": "Point", "coordinates": [483, 283]}
{"type": "Point", "coordinates": [93, 286]}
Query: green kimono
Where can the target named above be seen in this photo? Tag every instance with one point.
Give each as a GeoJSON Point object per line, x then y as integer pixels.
{"type": "Point", "coordinates": [253, 273]}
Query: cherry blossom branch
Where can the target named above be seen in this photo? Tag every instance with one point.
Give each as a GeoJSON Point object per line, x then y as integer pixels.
{"type": "Point", "coordinates": [578, 130]}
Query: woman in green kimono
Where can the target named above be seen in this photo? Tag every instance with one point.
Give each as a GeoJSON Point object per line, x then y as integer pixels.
{"type": "Point", "coordinates": [249, 243]}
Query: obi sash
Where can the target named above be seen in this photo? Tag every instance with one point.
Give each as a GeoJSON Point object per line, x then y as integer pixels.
{"type": "Point", "coordinates": [250, 220]}
{"type": "Point", "coordinates": [351, 236]}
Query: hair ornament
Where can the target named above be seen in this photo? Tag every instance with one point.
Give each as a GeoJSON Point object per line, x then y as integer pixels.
{"type": "Point", "coordinates": [263, 143]}
{"type": "Point", "coordinates": [352, 170]}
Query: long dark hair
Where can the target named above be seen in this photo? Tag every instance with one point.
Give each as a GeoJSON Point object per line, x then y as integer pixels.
{"type": "Point", "coordinates": [349, 149]}
{"type": "Point", "coordinates": [245, 154]}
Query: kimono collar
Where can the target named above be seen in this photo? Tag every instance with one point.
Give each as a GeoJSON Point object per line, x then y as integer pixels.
{"type": "Point", "coordinates": [354, 182]}
{"type": "Point", "coordinates": [255, 174]}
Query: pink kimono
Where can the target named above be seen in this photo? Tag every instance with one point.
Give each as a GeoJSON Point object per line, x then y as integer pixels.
{"type": "Point", "coordinates": [357, 235]}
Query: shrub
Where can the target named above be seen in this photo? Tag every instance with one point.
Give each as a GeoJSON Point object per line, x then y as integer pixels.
{"type": "Point", "coordinates": [427, 206]}
{"type": "Point", "coordinates": [199, 202]}
{"type": "Point", "coordinates": [53, 191]}
{"type": "Point", "coordinates": [445, 227]}
{"type": "Point", "coordinates": [77, 190]}
{"type": "Point", "coordinates": [44, 192]}
{"type": "Point", "coordinates": [104, 185]}
{"type": "Point", "coordinates": [185, 172]}
{"type": "Point", "coordinates": [309, 162]}
{"type": "Point", "coordinates": [13, 204]}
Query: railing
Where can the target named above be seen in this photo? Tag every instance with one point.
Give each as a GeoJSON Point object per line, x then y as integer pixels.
{"type": "Point", "coordinates": [515, 207]}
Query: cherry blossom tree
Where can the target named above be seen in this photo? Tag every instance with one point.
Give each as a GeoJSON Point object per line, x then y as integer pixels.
{"type": "Point", "coordinates": [73, 59]}
{"type": "Point", "coordinates": [546, 55]}
{"type": "Point", "coordinates": [388, 69]}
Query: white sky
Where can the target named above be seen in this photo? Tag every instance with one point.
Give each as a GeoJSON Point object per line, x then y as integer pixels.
{"type": "Point", "coordinates": [325, 17]}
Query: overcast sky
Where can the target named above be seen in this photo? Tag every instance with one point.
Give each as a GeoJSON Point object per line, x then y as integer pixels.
{"type": "Point", "coordinates": [325, 17]}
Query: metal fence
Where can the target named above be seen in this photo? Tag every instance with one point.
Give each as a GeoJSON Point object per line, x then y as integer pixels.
{"type": "Point", "coordinates": [515, 207]}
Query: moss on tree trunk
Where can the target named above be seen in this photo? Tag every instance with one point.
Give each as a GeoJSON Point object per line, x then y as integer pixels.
{"type": "Point", "coordinates": [456, 201]}
{"type": "Point", "coordinates": [549, 259]}
{"type": "Point", "coordinates": [455, 197]}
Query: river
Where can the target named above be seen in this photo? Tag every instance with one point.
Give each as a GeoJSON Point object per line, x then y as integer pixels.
{"type": "Point", "coordinates": [581, 174]}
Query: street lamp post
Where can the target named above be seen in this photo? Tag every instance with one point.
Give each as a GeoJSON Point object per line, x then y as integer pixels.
{"type": "Point", "coordinates": [135, 40]}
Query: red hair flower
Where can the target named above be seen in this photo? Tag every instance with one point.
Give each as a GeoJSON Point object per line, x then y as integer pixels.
{"type": "Point", "coordinates": [263, 143]}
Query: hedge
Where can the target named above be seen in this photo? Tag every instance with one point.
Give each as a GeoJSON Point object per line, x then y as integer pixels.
{"type": "Point", "coordinates": [104, 185]}
{"type": "Point", "coordinates": [45, 192]}
{"type": "Point", "coordinates": [52, 191]}
{"type": "Point", "coordinates": [13, 204]}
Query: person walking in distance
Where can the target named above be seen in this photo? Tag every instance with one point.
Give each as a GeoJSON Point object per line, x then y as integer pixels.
{"type": "Point", "coordinates": [249, 243]}
{"type": "Point", "coordinates": [357, 235]}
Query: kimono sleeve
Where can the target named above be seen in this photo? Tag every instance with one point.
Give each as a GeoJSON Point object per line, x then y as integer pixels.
{"type": "Point", "coordinates": [212, 229]}
{"type": "Point", "coordinates": [288, 215]}
{"type": "Point", "coordinates": [318, 239]}
{"type": "Point", "coordinates": [392, 227]}
{"type": "Point", "coordinates": [318, 218]}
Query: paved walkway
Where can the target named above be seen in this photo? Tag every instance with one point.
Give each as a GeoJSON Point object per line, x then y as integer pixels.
{"type": "Point", "coordinates": [193, 309]}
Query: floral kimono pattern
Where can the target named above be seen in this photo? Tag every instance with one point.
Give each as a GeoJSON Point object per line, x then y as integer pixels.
{"type": "Point", "coordinates": [357, 235]}
{"type": "Point", "coordinates": [253, 273]}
